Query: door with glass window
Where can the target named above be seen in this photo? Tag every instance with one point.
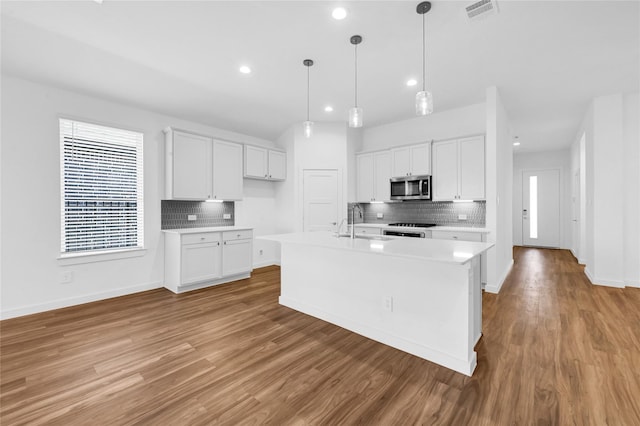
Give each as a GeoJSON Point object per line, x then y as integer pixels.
{"type": "Point", "coordinates": [541, 208]}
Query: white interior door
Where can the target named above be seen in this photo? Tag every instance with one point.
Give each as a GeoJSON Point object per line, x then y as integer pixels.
{"type": "Point", "coordinates": [320, 198]}
{"type": "Point", "coordinates": [541, 208]}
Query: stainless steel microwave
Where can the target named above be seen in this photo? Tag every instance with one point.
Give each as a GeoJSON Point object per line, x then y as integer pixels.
{"type": "Point", "coordinates": [411, 188]}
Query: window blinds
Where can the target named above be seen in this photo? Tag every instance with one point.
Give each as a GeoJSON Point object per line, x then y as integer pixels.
{"type": "Point", "coordinates": [101, 187]}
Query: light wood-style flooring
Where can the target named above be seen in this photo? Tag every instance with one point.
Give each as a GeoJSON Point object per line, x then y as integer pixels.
{"type": "Point", "coordinates": [555, 350]}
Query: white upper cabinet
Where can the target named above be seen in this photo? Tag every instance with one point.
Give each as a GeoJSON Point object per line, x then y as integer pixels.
{"type": "Point", "coordinates": [263, 163]}
{"type": "Point", "coordinates": [411, 160]}
{"type": "Point", "coordinates": [227, 171]}
{"type": "Point", "coordinates": [277, 165]}
{"type": "Point", "coordinates": [458, 169]}
{"type": "Point", "coordinates": [374, 171]}
{"type": "Point", "coordinates": [199, 168]}
{"type": "Point", "coordinates": [256, 162]}
{"type": "Point", "coordinates": [471, 152]}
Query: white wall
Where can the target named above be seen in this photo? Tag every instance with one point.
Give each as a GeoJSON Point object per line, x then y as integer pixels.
{"type": "Point", "coordinates": [612, 186]}
{"type": "Point", "coordinates": [499, 191]}
{"type": "Point", "coordinates": [327, 148]}
{"type": "Point", "coordinates": [31, 199]}
{"type": "Point", "coordinates": [631, 177]}
{"type": "Point", "coordinates": [450, 124]}
{"type": "Point", "coordinates": [543, 161]}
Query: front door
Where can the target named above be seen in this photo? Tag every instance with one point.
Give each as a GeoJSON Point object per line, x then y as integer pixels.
{"type": "Point", "coordinates": [321, 192]}
{"type": "Point", "coordinates": [541, 208]}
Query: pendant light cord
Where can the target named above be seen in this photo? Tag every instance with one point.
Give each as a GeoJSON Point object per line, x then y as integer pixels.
{"type": "Point", "coordinates": [356, 76]}
{"type": "Point", "coordinates": [308, 91]}
{"type": "Point", "coordinates": [424, 56]}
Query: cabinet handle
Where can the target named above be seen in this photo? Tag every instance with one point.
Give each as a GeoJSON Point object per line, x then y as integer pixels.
{"type": "Point", "coordinates": [265, 175]}
{"type": "Point", "coordinates": [238, 235]}
{"type": "Point", "coordinates": [218, 242]}
{"type": "Point", "coordinates": [269, 176]}
{"type": "Point", "coordinates": [202, 238]}
{"type": "Point", "coordinates": [455, 237]}
{"type": "Point", "coordinates": [225, 243]}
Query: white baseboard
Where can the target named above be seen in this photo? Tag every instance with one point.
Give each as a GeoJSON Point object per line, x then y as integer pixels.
{"type": "Point", "coordinates": [72, 301]}
{"type": "Point", "coordinates": [632, 283]}
{"type": "Point", "coordinates": [496, 288]}
{"type": "Point", "coordinates": [602, 281]}
{"type": "Point", "coordinates": [264, 263]}
{"type": "Point", "coordinates": [463, 366]}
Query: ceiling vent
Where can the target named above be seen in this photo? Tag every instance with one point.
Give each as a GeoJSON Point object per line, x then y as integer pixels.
{"type": "Point", "coordinates": [482, 9]}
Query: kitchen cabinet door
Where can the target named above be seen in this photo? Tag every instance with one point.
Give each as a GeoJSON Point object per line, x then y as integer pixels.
{"type": "Point", "coordinates": [256, 162]}
{"type": "Point", "coordinates": [401, 161]}
{"type": "Point", "coordinates": [471, 157]}
{"type": "Point", "coordinates": [236, 257]}
{"type": "Point", "coordinates": [188, 166]}
{"type": "Point", "coordinates": [200, 262]}
{"type": "Point", "coordinates": [411, 160]}
{"type": "Point", "coordinates": [444, 182]}
{"type": "Point", "coordinates": [381, 176]}
{"type": "Point", "coordinates": [277, 165]}
{"type": "Point", "coordinates": [420, 159]}
{"type": "Point", "coordinates": [364, 189]}
{"type": "Point", "coordinates": [227, 171]}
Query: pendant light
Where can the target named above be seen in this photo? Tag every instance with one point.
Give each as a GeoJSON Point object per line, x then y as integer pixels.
{"type": "Point", "coordinates": [307, 125]}
{"type": "Point", "coordinates": [424, 99]}
{"type": "Point", "coordinates": [355, 113]}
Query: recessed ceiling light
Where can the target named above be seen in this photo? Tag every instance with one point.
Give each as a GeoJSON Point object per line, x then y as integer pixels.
{"type": "Point", "coordinates": [245, 69]}
{"type": "Point", "coordinates": [328, 108]}
{"type": "Point", "coordinates": [412, 82]}
{"type": "Point", "coordinates": [339, 13]}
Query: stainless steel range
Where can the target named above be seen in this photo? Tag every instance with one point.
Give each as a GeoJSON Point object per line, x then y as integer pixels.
{"type": "Point", "coordinates": [407, 233]}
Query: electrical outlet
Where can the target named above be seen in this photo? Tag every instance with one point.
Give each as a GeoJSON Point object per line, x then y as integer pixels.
{"type": "Point", "coordinates": [226, 215]}
{"type": "Point", "coordinates": [192, 217]}
{"type": "Point", "coordinates": [380, 215]}
{"type": "Point", "coordinates": [462, 217]}
{"type": "Point", "coordinates": [66, 277]}
{"type": "Point", "coordinates": [388, 303]}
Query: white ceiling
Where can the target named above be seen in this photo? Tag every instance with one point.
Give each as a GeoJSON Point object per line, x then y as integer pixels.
{"type": "Point", "coordinates": [181, 58]}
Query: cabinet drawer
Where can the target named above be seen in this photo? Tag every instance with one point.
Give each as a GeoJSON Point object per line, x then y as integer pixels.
{"type": "Point", "coordinates": [244, 234]}
{"type": "Point", "coordinates": [207, 237]}
{"type": "Point", "coordinates": [455, 235]}
{"type": "Point", "coordinates": [367, 230]}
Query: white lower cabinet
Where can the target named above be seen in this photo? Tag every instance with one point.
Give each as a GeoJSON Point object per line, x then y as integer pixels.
{"type": "Point", "coordinates": [237, 252]}
{"type": "Point", "coordinates": [197, 260]}
{"type": "Point", "coordinates": [367, 230]}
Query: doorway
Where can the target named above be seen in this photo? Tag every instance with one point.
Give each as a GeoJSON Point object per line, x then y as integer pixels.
{"type": "Point", "coordinates": [321, 195]}
{"type": "Point", "coordinates": [541, 208]}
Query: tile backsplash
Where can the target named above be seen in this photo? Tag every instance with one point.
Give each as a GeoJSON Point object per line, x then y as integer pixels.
{"type": "Point", "coordinates": [440, 213]}
{"type": "Point", "coordinates": [174, 214]}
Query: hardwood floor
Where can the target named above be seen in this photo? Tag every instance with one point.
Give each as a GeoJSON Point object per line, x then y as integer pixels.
{"type": "Point", "coordinates": [555, 350]}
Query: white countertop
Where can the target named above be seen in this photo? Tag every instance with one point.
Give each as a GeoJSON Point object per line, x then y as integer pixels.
{"type": "Point", "coordinates": [210, 229]}
{"type": "Point", "coordinates": [433, 228]}
{"type": "Point", "coordinates": [416, 248]}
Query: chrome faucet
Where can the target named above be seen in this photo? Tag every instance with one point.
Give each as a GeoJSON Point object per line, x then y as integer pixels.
{"type": "Point", "coordinates": [353, 222]}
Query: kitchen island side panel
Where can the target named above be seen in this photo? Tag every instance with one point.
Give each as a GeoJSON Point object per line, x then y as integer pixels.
{"type": "Point", "coordinates": [421, 307]}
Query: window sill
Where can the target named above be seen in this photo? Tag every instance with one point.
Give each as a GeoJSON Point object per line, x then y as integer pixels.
{"type": "Point", "coordinates": [99, 256]}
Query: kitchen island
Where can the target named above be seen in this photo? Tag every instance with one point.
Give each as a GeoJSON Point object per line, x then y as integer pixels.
{"type": "Point", "coordinates": [418, 295]}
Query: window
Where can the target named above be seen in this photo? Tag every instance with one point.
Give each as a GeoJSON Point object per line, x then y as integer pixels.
{"type": "Point", "coordinates": [101, 188]}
